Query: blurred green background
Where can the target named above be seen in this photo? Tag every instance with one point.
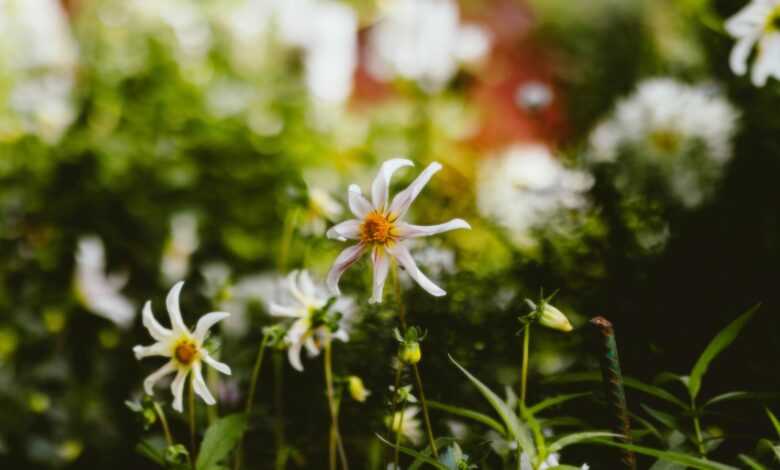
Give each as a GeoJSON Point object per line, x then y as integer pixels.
{"type": "Point", "coordinates": [214, 140]}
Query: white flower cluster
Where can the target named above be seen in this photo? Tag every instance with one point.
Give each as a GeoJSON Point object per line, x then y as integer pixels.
{"type": "Point", "coordinates": [683, 130]}
{"type": "Point", "coordinates": [526, 187]}
{"type": "Point", "coordinates": [38, 57]}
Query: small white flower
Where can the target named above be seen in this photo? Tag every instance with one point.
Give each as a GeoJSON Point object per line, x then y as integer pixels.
{"type": "Point", "coordinates": [304, 301]}
{"type": "Point", "coordinates": [181, 245]}
{"type": "Point", "coordinates": [183, 347]}
{"type": "Point", "coordinates": [406, 422]}
{"type": "Point", "coordinates": [97, 291]}
{"type": "Point", "coordinates": [322, 207]}
{"type": "Point", "coordinates": [527, 187]}
{"type": "Point", "coordinates": [423, 40]}
{"type": "Point", "coordinates": [758, 22]}
{"type": "Point", "coordinates": [665, 122]}
{"type": "Point", "coordinates": [379, 227]}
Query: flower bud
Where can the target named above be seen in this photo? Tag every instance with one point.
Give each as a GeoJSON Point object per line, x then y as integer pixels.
{"type": "Point", "coordinates": [410, 353]}
{"type": "Point", "coordinates": [553, 318]}
{"type": "Point", "coordinates": [356, 389]}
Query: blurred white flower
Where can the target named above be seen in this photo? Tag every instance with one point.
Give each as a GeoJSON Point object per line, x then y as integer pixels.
{"type": "Point", "coordinates": [526, 187]}
{"type": "Point", "coordinates": [664, 122]}
{"type": "Point", "coordinates": [424, 41]}
{"type": "Point", "coordinates": [533, 95]}
{"type": "Point", "coordinates": [183, 348]}
{"type": "Point", "coordinates": [97, 291]}
{"type": "Point", "coordinates": [407, 423]}
{"type": "Point", "coordinates": [757, 23]}
{"type": "Point", "coordinates": [305, 302]}
{"type": "Point", "coordinates": [187, 21]}
{"type": "Point", "coordinates": [379, 226]}
{"type": "Point", "coordinates": [180, 246]}
{"type": "Point", "coordinates": [322, 207]}
{"type": "Point", "coordinates": [38, 56]}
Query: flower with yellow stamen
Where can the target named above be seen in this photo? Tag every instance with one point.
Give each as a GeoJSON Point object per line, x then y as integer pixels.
{"type": "Point", "coordinates": [379, 227]}
{"type": "Point", "coordinates": [183, 347]}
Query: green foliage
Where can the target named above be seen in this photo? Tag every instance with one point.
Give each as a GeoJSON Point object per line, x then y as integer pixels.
{"type": "Point", "coordinates": [220, 439]}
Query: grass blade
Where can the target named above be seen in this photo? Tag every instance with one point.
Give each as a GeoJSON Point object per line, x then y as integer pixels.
{"type": "Point", "coordinates": [471, 414]}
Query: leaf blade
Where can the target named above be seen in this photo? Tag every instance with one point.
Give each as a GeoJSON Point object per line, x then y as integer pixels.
{"type": "Point", "coordinates": [220, 438]}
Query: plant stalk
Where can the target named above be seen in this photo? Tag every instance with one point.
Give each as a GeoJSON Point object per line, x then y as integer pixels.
{"type": "Point", "coordinates": [524, 370]}
{"type": "Point", "coordinates": [164, 424]}
{"type": "Point", "coordinates": [191, 400]}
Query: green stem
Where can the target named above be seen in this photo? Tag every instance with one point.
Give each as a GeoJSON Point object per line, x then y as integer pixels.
{"type": "Point", "coordinates": [164, 423]}
{"type": "Point", "coordinates": [697, 428]}
{"type": "Point", "coordinates": [336, 443]}
{"type": "Point", "coordinates": [524, 370]}
{"type": "Point", "coordinates": [396, 465]}
{"type": "Point", "coordinates": [282, 454]}
{"type": "Point", "coordinates": [424, 404]}
{"type": "Point", "coordinates": [394, 411]}
{"type": "Point", "coordinates": [191, 401]}
{"type": "Point", "coordinates": [290, 221]}
{"type": "Point", "coordinates": [250, 399]}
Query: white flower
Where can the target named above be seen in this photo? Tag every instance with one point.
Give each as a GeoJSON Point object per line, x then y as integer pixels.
{"type": "Point", "coordinates": [38, 55]}
{"type": "Point", "coordinates": [322, 207]}
{"type": "Point", "coordinates": [304, 302]}
{"type": "Point", "coordinates": [664, 122]}
{"type": "Point", "coordinates": [180, 246]}
{"type": "Point", "coordinates": [527, 187]}
{"type": "Point", "coordinates": [379, 227]}
{"type": "Point", "coordinates": [423, 40]}
{"type": "Point", "coordinates": [183, 347]}
{"type": "Point", "coordinates": [406, 422]}
{"type": "Point", "coordinates": [758, 22]}
{"type": "Point", "coordinates": [97, 291]}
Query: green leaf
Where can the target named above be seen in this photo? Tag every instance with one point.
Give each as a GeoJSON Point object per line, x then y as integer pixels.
{"type": "Point", "coordinates": [666, 419]}
{"type": "Point", "coordinates": [774, 420]}
{"type": "Point", "coordinates": [413, 453]}
{"type": "Point", "coordinates": [628, 382]}
{"type": "Point", "coordinates": [564, 467]}
{"type": "Point", "coordinates": [441, 443]}
{"type": "Point", "coordinates": [721, 341]}
{"type": "Point", "coordinates": [751, 462]}
{"type": "Point", "coordinates": [739, 395]}
{"type": "Point", "coordinates": [467, 413]}
{"type": "Point", "coordinates": [578, 437]}
{"type": "Point", "coordinates": [676, 457]}
{"type": "Point", "coordinates": [146, 449]}
{"type": "Point", "coordinates": [221, 437]}
{"type": "Point", "coordinates": [556, 400]}
{"type": "Point", "coordinates": [516, 429]}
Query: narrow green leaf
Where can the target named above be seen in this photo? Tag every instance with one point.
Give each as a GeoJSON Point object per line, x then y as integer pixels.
{"type": "Point", "coordinates": [628, 382]}
{"type": "Point", "coordinates": [738, 395]}
{"type": "Point", "coordinates": [147, 450]}
{"type": "Point", "coordinates": [578, 437]}
{"type": "Point", "coordinates": [467, 413]}
{"type": "Point", "coordinates": [556, 400]}
{"type": "Point", "coordinates": [221, 437]}
{"type": "Point", "coordinates": [774, 420]}
{"type": "Point", "coordinates": [516, 429]}
{"type": "Point", "coordinates": [676, 457]}
{"type": "Point", "coordinates": [666, 419]}
{"type": "Point", "coordinates": [441, 443]}
{"type": "Point", "coordinates": [721, 341]}
{"type": "Point", "coordinates": [751, 462]}
{"type": "Point", "coordinates": [413, 453]}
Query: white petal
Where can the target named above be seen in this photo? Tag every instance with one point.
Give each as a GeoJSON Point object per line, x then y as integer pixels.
{"type": "Point", "coordinates": [157, 331]}
{"type": "Point", "coordinates": [206, 322]}
{"type": "Point", "coordinates": [294, 355]}
{"type": "Point", "coordinates": [282, 311]}
{"type": "Point", "coordinates": [200, 385]}
{"type": "Point", "coordinates": [311, 347]}
{"type": "Point", "coordinates": [381, 185]}
{"type": "Point", "coordinates": [749, 19]}
{"type": "Point", "coordinates": [292, 286]}
{"type": "Point", "coordinates": [306, 285]}
{"type": "Point", "coordinates": [768, 61]}
{"type": "Point", "coordinates": [156, 349]}
{"type": "Point", "coordinates": [413, 231]}
{"type": "Point", "coordinates": [739, 54]}
{"type": "Point", "coordinates": [341, 335]}
{"type": "Point", "coordinates": [219, 366]}
{"type": "Point", "coordinates": [157, 375]}
{"type": "Point", "coordinates": [358, 204]}
{"type": "Point", "coordinates": [347, 230]}
{"type": "Point", "coordinates": [344, 260]}
{"type": "Point", "coordinates": [404, 199]}
{"type": "Point", "coordinates": [381, 267]}
{"type": "Point", "coordinates": [172, 303]}
{"type": "Point", "coordinates": [177, 389]}
{"type": "Point", "coordinates": [403, 256]}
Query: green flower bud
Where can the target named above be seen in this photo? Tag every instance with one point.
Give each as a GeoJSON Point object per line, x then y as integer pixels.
{"type": "Point", "coordinates": [410, 353]}
{"type": "Point", "coordinates": [356, 389]}
{"type": "Point", "coordinates": [553, 318]}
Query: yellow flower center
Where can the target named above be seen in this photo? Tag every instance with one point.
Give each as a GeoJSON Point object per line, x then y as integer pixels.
{"type": "Point", "coordinates": [666, 140]}
{"type": "Point", "coordinates": [186, 352]}
{"type": "Point", "coordinates": [377, 228]}
{"type": "Point", "coordinates": [773, 21]}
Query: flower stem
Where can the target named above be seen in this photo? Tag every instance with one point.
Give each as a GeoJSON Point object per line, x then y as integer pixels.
{"type": "Point", "coordinates": [393, 412]}
{"type": "Point", "coordinates": [396, 465]}
{"type": "Point", "coordinates": [282, 453]}
{"type": "Point", "coordinates": [697, 428]}
{"type": "Point", "coordinates": [250, 399]}
{"type": "Point", "coordinates": [524, 370]}
{"type": "Point", "coordinates": [191, 400]}
{"type": "Point", "coordinates": [164, 423]}
{"type": "Point", "coordinates": [290, 221]}
{"type": "Point", "coordinates": [424, 404]}
{"type": "Point", "coordinates": [336, 443]}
